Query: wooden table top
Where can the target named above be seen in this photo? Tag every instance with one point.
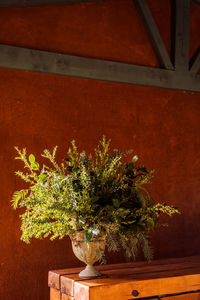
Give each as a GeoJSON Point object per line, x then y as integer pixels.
{"type": "Point", "coordinates": [131, 280]}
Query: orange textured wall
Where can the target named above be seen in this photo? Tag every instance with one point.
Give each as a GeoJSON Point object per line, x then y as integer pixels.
{"type": "Point", "coordinates": [39, 111]}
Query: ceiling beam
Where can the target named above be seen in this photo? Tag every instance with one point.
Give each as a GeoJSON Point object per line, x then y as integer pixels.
{"type": "Point", "coordinates": [75, 66]}
{"type": "Point", "coordinates": [154, 34]}
{"type": "Point", "coordinates": [195, 66]}
{"type": "Point", "coordinates": [196, 1]}
{"type": "Point", "coordinates": [4, 3]}
{"type": "Point", "coordinates": [181, 37]}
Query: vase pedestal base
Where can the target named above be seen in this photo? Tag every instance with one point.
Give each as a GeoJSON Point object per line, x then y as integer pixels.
{"type": "Point", "coordinates": [90, 271]}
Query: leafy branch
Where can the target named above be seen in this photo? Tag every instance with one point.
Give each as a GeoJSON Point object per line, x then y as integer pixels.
{"type": "Point", "coordinates": [104, 192]}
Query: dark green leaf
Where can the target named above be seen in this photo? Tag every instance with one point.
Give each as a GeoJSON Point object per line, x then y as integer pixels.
{"type": "Point", "coordinates": [67, 159]}
{"type": "Point", "coordinates": [150, 222]}
{"type": "Point", "coordinates": [88, 237]}
{"type": "Point", "coordinates": [69, 169]}
{"type": "Point", "coordinates": [75, 170]}
{"type": "Point", "coordinates": [142, 169]}
{"type": "Point", "coordinates": [116, 203]}
{"type": "Point", "coordinates": [130, 166]}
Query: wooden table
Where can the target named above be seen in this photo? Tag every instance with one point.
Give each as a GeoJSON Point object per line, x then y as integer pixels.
{"type": "Point", "coordinates": [177, 279]}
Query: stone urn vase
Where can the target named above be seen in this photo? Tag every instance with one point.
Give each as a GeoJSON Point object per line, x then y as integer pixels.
{"type": "Point", "coordinates": [88, 252]}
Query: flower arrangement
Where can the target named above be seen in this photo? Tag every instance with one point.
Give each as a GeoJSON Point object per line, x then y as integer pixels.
{"type": "Point", "coordinates": [104, 192]}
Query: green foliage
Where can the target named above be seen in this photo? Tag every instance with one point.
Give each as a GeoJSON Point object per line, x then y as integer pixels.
{"type": "Point", "coordinates": [17, 196]}
{"type": "Point", "coordinates": [94, 194]}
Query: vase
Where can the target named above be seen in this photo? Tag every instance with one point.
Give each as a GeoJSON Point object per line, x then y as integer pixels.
{"type": "Point", "coordinates": [88, 252]}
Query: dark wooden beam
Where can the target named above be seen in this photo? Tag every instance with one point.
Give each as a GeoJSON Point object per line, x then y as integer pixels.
{"type": "Point", "coordinates": [182, 32]}
{"type": "Point", "coordinates": [197, 1]}
{"type": "Point", "coordinates": [75, 66]}
{"type": "Point", "coordinates": [195, 63]}
{"type": "Point", "coordinates": [154, 34]}
{"type": "Point", "coordinates": [4, 3]}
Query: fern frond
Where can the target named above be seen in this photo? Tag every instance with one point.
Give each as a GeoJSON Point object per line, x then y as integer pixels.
{"type": "Point", "coordinates": [22, 153]}
{"type": "Point", "coordinates": [112, 242]}
{"type": "Point", "coordinates": [54, 152]}
{"type": "Point", "coordinates": [146, 247]}
{"type": "Point", "coordinates": [144, 179]}
{"type": "Point", "coordinates": [47, 154]}
{"type": "Point", "coordinates": [25, 177]}
{"type": "Point", "coordinates": [133, 242]}
{"type": "Point", "coordinates": [17, 196]}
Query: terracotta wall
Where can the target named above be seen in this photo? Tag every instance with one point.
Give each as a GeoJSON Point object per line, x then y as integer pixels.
{"type": "Point", "coordinates": [39, 111]}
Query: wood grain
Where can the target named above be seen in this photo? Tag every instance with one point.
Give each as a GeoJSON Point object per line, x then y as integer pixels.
{"type": "Point", "coordinates": [134, 280]}
{"type": "Point", "coordinates": [145, 288]}
{"type": "Point", "coordinates": [190, 296]}
{"type": "Point", "coordinates": [147, 271]}
{"type": "Point", "coordinates": [55, 294]}
{"type": "Point", "coordinates": [54, 276]}
{"type": "Point", "coordinates": [154, 34]}
{"type": "Point", "coordinates": [32, 60]}
{"type": "Point", "coordinates": [66, 297]}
